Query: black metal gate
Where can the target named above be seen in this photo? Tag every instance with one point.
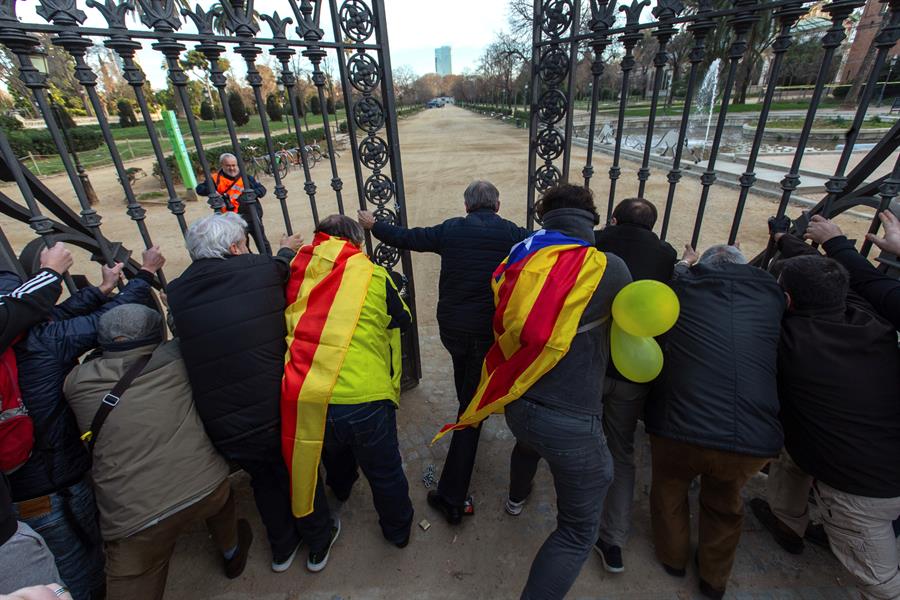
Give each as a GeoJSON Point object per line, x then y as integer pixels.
{"type": "Point", "coordinates": [359, 47]}
{"type": "Point", "coordinates": [558, 37]}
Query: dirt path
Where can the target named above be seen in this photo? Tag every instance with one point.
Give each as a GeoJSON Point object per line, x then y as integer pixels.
{"type": "Point", "coordinates": [489, 556]}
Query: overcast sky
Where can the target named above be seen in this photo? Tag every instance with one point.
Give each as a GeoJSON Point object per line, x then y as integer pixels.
{"type": "Point", "coordinates": [415, 29]}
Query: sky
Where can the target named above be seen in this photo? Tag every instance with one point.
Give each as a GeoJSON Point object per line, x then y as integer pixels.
{"type": "Point", "coordinates": [415, 29]}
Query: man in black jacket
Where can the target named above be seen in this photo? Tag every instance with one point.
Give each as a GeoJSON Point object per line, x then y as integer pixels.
{"type": "Point", "coordinates": [471, 248]}
{"type": "Point", "coordinates": [50, 492]}
{"type": "Point", "coordinates": [630, 237]}
{"type": "Point", "coordinates": [228, 308]}
{"type": "Point", "coordinates": [713, 411]}
{"type": "Point", "coordinates": [838, 380]}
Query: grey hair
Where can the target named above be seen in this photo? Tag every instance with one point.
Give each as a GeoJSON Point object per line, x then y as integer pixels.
{"type": "Point", "coordinates": [212, 236]}
{"type": "Point", "coordinates": [128, 323]}
{"type": "Point", "coordinates": [344, 227]}
{"type": "Point", "coordinates": [722, 254]}
{"type": "Point", "coordinates": [482, 194]}
{"type": "Point", "coordinates": [222, 157]}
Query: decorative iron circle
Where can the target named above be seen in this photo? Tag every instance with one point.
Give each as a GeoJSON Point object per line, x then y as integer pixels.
{"type": "Point", "coordinates": [546, 177]}
{"type": "Point", "coordinates": [363, 72]}
{"type": "Point", "coordinates": [357, 21]}
{"type": "Point", "coordinates": [368, 114]}
{"type": "Point", "coordinates": [385, 215]}
{"type": "Point", "coordinates": [554, 66]}
{"type": "Point", "coordinates": [386, 256]}
{"type": "Point", "coordinates": [550, 143]}
{"type": "Point", "coordinates": [552, 107]}
{"type": "Point", "coordinates": [556, 17]}
{"type": "Point", "coordinates": [373, 152]}
{"type": "Point", "coordinates": [379, 189]}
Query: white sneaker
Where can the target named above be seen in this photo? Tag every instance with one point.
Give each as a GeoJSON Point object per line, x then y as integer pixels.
{"type": "Point", "coordinates": [318, 560]}
{"type": "Point", "coordinates": [281, 567]}
{"type": "Point", "coordinates": [514, 508]}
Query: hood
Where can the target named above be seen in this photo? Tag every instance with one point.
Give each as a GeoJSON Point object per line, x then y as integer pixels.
{"type": "Point", "coordinates": [571, 221]}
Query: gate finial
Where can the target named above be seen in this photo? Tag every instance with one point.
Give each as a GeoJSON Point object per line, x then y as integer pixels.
{"type": "Point", "coordinates": [633, 12]}
{"type": "Point", "coordinates": [159, 15]}
{"type": "Point", "coordinates": [60, 12]}
{"type": "Point", "coordinates": [277, 25]}
{"type": "Point", "coordinates": [667, 9]}
{"type": "Point", "coordinates": [114, 12]}
{"type": "Point", "coordinates": [240, 20]}
{"type": "Point", "coordinates": [603, 14]}
{"type": "Point", "coordinates": [202, 19]}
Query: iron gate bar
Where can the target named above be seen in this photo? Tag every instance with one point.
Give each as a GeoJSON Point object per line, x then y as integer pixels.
{"type": "Point", "coordinates": [602, 18]}
{"type": "Point", "coordinates": [664, 11]}
{"type": "Point", "coordinates": [570, 91]}
{"type": "Point", "coordinates": [884, 41]}
{"type": "Point", "coordinates": [888, 191]}
{"type": "Point", "coordinates": [788, 16]}
{"type": "Point", "coordinates": [741, 24]}
{"type": "Point", "coordinates": [699, 30]}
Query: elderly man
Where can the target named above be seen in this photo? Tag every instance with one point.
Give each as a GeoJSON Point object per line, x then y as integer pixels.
{"type": "Point", "coordinates": [228, 308]}
{"type": "Point", "coordinates": [50, 491]}
{"type": "Point", "coordinates": [838, 377]}
{"type": "Point", "coordinates": [470, 248]}
{"type": "Point", "coordinates": [713, 411]}
{"type": "Point", "coordinates": [630, 237]}
{"type": "Point", "coordinates": [154, 470]}
{"type": "Point", "coordinates": [231, 186]}
{"type": "Point", "coordinates": [345, 365]}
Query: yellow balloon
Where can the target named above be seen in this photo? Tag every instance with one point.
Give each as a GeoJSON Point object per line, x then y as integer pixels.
{"type": "Point", "coordinates": [639, 359]}
{"type": "Point", "coordinates": [646, 308]}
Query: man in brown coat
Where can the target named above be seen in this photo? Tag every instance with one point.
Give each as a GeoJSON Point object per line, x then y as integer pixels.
{"type": "Point", "coordinates": [154, 469]}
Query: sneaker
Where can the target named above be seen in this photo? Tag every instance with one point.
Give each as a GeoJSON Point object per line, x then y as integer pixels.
{"type": "Point", "coordinates": [673, 571]}
{"type": "Point", "coordinates": [235, 565]}
{"type": "Point", "coordinates": [815, 534]}
{"type": "Point", "coordinates": [514, 508]}
{"type": "Point", "coordinates": [783, 534]}
{"type": "Point", "coordinates": [318, 560]}
{"type": "Point", "coordinates": [282, 564]}
{"type": "Point", "coordinates": [610, 555]}
{"type": "Point", "coordinates": [708, 591]}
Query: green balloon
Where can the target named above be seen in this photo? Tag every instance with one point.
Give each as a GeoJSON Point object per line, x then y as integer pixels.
{"type": "Point", "coordinates": [646, 308]}
{"type": "Point", "coordinates": [639, 359]}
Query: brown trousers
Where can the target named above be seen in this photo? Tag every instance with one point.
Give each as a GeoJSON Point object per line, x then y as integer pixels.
{"type": "Point", "coordinates": [722, 475]}
{"type": "Point", "coordinates": [137, 566]}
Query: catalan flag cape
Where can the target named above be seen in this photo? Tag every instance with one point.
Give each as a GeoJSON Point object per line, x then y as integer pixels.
{"type": "Point", "coordinates": [325, 295]}
{"type": "Point", "coordinates": [540, 290]}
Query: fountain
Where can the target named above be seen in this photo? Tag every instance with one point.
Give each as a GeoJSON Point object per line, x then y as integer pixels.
{"type": "Point", "coordinates": [706, 99]}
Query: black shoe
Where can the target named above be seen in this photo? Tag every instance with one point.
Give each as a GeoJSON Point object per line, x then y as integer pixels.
{"type": "Point", "coordinates": [318, 560]}
{"type": "Point", "coordinates": [783, 535]}
{"type": "Point", "coordinates": [235, 565]}
{"type": "Point", "coordinates": [453, 514]}
{"type": "Point", "coordinates": [709, 591]}
{"type": "Point", "coordinates": [673, 571]}
{"type": "Point", "coordinates": [815, 534]}
{"type": "Point", "coordinates": [610, 555]}
{"type": "Point", "coordinates": [402, 543]}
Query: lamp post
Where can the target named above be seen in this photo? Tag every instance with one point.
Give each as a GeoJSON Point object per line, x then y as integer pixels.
{"type": "Point", "coordinates": [887, 79]}
{"type": "Point", "coordinates": [39, 60]}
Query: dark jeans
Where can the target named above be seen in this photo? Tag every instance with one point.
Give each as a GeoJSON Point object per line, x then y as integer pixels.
{"type": "Point", "coordinates": [244, 211]}
{"type": "Point", "coordinates": [260, 456]}
{"type": "Point", "coordinates": [575, 449]}
{"type": "Point", "coordinates": [365, 436]}
{"type": "Point", "coordinates": [467, 352]}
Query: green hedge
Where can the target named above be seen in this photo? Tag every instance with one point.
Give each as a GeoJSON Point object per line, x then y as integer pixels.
{"type": "Point", "coordinates": [38, 141]}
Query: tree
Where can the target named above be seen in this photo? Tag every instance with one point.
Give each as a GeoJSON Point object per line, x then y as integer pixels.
{"type": "Point", "coordinates": [239, 113]}
{"type": "Point", "coordinates": [206, 111]}
{"type": "Point", "coordinates": [63, 118]}
{"type": "Point", "coordinates": [329, 104]}
{"type": "Point", "coordinates": [126, 113]}
{"type": "Point", "coordinates": [679, 48]}
{"type": "Point", "coordinates": [404, 79]}
{"type": "Point", "coordinates": [273, 107]}
{"type": "Point", "coordinates": [314, 106]}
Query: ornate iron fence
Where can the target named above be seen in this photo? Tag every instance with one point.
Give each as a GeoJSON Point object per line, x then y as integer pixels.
{"type": "Point", "coordinates": [360, 49]}
{"type": "Point", "coordinates": [558, 38]}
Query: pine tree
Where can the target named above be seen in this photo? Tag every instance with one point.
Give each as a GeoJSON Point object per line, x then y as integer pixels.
{"type": "Point", "coordinates": [126, 113]}
{"type": "Point", "coordinates": [206, 111]}
{"type": "Point", "coordinates": [314, 106]}
{"type": "Point", "coordinates": [273, 108]}
{"type": "Point", "coordinates": [238, 111]}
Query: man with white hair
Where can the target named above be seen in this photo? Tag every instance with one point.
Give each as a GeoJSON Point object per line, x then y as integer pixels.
{"type": "Point", "coordinates": [713, 411]}
{"type": "Point", "coordinates": [231, 186]}
{"type": "Point", "coordinates": [228, 308]}
{"type": "Point", "coordinates": [470, 248]}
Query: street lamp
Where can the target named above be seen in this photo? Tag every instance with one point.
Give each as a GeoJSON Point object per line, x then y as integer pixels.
{"type": "Point", "coordinates": [887, 79]}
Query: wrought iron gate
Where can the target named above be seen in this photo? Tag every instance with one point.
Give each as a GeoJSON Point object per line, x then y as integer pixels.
{"type": "Point", "coordinates": [558, 37]}
{"type": "Point", "coordinates": [360, 48]}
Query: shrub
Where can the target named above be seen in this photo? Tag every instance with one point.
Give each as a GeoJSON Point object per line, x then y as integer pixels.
{"type": "Point", "coordinates": [8, 123]}
{"type": "Point", "coordinates": [38, 141]}
{"type": "Point", "coordinates": [238, 111]}
{"type": "Point", "coordinates": [314, 106]}
{"type": "Point", "coordinates": [206, 111]}
{"type": "Point", "coordinates": [329, 104]}
{"type": "Point", "coordinates": [273, 108]}
{"type": "Point", "coordinates": [126, 113]}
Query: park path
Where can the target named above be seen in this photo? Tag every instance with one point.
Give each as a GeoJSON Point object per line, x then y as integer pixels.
{"type": "Point", "coordinates": [489, 555]}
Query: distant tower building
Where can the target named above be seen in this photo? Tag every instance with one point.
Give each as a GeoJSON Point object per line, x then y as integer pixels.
{"type": "Point", "coordinates": [442, 64]}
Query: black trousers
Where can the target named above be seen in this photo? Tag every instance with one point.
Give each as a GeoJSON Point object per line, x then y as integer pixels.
{"type": "Point", "coordinates": [262, 245]}
{"type": "Point", "coordinates": [467, 352]}
{"type": "Point", "coordinates": [260, 456]}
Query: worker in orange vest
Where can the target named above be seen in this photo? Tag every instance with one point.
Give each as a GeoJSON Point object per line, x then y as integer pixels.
{"type": "Point", "coordinates": [230, 185]}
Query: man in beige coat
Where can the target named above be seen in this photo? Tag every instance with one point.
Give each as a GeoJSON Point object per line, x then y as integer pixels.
{"type": "Point", "coordinates": [154, 469]}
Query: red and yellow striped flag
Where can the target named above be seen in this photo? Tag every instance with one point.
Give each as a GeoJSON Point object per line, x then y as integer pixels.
{"type": "Point", "coordinates": [540, 291]}
{"type": "Point", "coordinates": [325, 295]}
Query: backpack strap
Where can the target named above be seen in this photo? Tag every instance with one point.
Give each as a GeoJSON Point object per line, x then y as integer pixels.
{"type": "Point", "coordinates": [111, 400]}
{"type": "Point", "coordinates": [592, 325]}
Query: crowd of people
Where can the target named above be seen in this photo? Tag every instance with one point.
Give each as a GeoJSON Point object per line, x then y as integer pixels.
{"type": "Point", "coordinates": [117, 435]}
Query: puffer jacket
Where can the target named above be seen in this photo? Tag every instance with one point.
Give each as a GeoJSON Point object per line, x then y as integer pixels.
{"type": "Point", "coordinates": [152, 457]}
{"type": "Point", "coordinates": [471, 248]}
{"type": "Point", "coordinates": [717, 388]}
{"type": "Point", "coordinates": [229, 316]}
{"type": "Point", "coordinates": [44, 357]}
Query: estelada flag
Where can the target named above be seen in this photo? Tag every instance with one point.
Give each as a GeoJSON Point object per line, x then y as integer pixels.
{"type": "Point", "coordinates": [540, 290]}
{"type": "Point", "coordinates": [325, 295]}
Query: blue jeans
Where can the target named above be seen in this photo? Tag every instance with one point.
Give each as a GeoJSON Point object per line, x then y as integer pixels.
{"type": "Point", "coordinates": [575, 449]}
{"type": "Point", "coordinates": [76, 546]}
{"type": "Point", "coordinates": [365, 435]}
